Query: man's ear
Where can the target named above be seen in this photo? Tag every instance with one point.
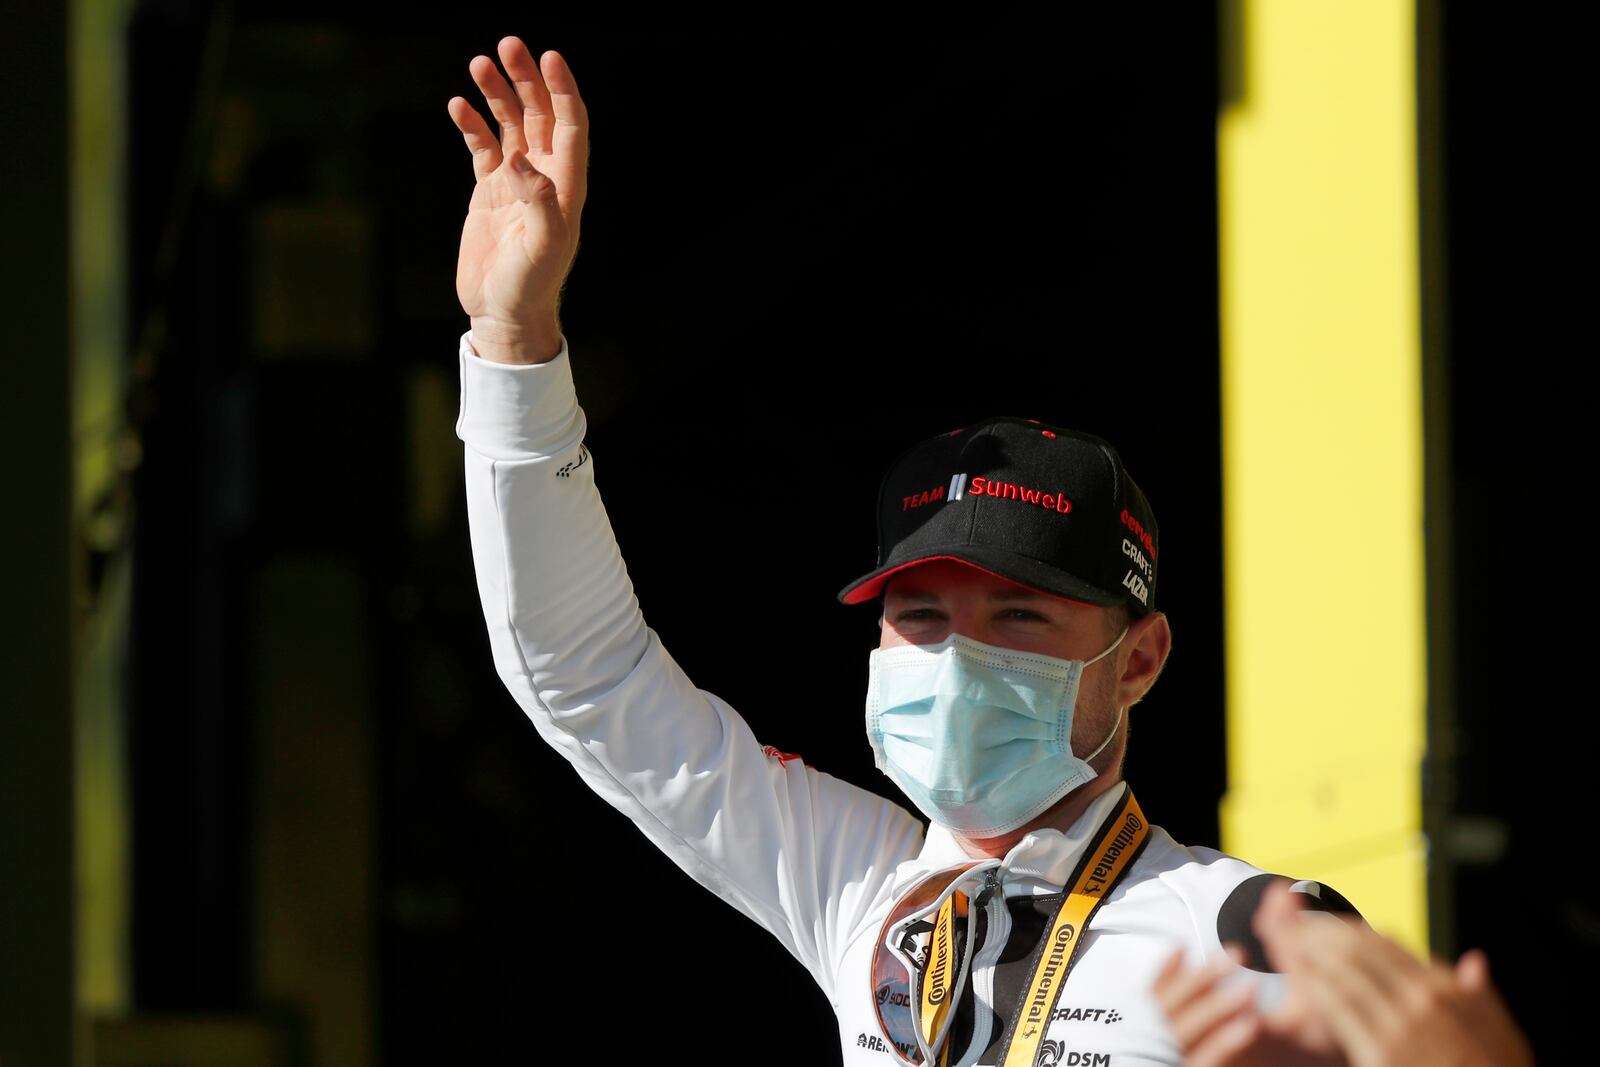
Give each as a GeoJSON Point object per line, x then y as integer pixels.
{"type": "Point", "coordinates": [1149, 642]}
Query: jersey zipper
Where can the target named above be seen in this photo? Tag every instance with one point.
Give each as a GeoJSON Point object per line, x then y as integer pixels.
{"type": "Point", "coordinates": [997, 927]}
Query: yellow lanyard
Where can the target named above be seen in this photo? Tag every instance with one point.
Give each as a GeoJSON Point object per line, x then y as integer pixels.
{"type": "Point", "coordinates": [936, 999]}
{"type": "Point", "coordinates": [1121, 838]}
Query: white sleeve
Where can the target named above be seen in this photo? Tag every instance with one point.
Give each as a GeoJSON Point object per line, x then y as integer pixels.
{"type": "Point", "coordinates": [802, 853]}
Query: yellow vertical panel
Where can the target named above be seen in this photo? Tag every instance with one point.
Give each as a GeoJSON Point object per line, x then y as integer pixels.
{"type": "Point", "coordinates": [102, 848]}
{"type": "Point", "coordinates": [1322, 451]}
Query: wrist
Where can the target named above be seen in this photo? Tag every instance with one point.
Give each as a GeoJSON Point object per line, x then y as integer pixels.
{"type": "Point", "coordinates": [520, 343]}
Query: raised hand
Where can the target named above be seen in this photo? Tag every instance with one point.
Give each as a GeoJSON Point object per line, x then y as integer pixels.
{"type": "Point", "coordinates": [521, 231]}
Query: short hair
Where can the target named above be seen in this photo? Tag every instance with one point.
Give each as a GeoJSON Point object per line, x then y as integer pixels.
{"type": "Point", "coordinates": [1117, 616]}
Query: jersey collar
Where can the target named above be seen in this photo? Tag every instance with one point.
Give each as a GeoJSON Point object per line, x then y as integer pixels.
{"type": "Point", "coordinates": [1038, 864]}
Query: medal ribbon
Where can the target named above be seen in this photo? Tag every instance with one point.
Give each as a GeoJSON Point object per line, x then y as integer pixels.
{"type": "Point", "coordinates": [936, 999]}
{"type": "Point", "coordinates": [1121, 838]}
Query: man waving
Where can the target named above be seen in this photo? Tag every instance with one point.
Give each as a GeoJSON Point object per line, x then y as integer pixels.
{"type": "Point", "coordinates": [1027, 922]}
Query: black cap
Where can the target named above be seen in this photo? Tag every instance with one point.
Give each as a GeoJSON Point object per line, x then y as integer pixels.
{"type": "Point", "coordinates": [1040, 505]}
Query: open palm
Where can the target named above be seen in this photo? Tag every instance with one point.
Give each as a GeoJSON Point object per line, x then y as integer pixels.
{"type": "Point", "coordinates": [521, 230]}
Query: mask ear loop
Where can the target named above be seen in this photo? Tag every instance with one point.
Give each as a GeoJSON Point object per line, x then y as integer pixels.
{"type": "Point", "coordinates": [1120, 708]}
{"type": "Point", "coordinates": [1113, 644]}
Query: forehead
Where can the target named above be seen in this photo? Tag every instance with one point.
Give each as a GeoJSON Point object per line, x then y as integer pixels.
{"type": "Point", "coordinates": [942, 579]}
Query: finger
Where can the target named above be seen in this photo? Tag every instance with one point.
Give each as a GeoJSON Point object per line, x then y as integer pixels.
{"type": "Point", "coordinates": [1486, 1014]}
{"type": "Point", "coordinates": [1480, 1000]}
{"type": "Point", "coordinates": [481, 142]}
{"type": "Point", "coordinates": [1175, 985]}
{"type": "Point", "coordinates": [1472, 971]}
{"type": "Point", "coordinates": [1279, 925]}
{"type": "Point", "coordinates": [1386, 965]}
{"type": "Point", "coordinates": [1442, 976]}
{"type": "Point", "coordinates": [1278, 905]}
{"type": "Point", "coordinates": [503, 103]}
{"type": "Point", "coordinates": [1338, 967]}
{"type": "Point", "coordinates": [568, 165]}
{"type": "Point", "coordinates": [1195, 1001]}
{"type": "Point", "coordinates": [1227, 1044]}
{"type": "Point", "coordinates": [538, 117]}
{"type": "Point", "coordinates": [1354, 1030]}
{"type": "Point", "coordinates": [1313, 940]}
{"type": "Point", "coordinates": [1179, 989]}
{"type": "Point", "coordinates": [1274, 923]}
{"type": "Point", "coordinates": [1169, 972]}
{"type": "Point", "coordinates": [1204, 1014]}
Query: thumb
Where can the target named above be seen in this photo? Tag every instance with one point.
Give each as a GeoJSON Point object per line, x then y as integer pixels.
{"type": "Point", "coordinates": [530, 186]}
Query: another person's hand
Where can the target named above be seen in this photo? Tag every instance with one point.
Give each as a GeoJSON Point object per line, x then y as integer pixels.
{"type": "Point", "coordinates": [521, 231]}
{"type": "Point", "coordinates": [1215, 1020]}
{"type": "Point", "coordinates": [1354, 996]}
{"type": "Point", "coordinates": [1385, 1006]}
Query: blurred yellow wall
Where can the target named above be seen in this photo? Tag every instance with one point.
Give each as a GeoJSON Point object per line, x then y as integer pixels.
{"type": "Point", "coordinates": [1322, 451]}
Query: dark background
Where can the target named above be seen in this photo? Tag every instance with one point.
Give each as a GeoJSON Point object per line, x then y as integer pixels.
{"type": "Point", "coordinates": [802, 250]}
{"type": "Point", "coordinates": [800, 253]}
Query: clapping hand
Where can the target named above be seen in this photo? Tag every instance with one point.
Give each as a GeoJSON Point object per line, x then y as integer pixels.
{"type": "Point", "coordinates": [1215, 1019]}
{"type": "Point", "coordinates": [1352, 992]}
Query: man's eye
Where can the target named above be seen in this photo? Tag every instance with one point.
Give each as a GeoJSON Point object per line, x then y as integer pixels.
{"type": "Point", "coordinates": [917, 613]}
{"type": "Point", "coordinates": [1023, 613]}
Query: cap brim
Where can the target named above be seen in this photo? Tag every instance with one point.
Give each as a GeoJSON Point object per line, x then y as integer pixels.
{"type": "Point", "coordinates": [1040, 577]}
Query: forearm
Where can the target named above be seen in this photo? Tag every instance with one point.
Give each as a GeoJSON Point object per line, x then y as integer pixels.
{"type": "Point", "coordinates": [793, 849]}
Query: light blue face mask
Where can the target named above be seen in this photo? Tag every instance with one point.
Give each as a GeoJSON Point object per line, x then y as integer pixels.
{"type": "Point", "coordinates": [978, 736]}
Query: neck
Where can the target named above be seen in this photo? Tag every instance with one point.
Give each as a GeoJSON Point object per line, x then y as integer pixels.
{"type": "Point", "coordinates": [1060, 816]}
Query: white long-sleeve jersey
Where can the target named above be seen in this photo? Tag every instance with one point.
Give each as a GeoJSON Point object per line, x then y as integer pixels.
{"type": "Point", "coordinates": [814, 860]}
